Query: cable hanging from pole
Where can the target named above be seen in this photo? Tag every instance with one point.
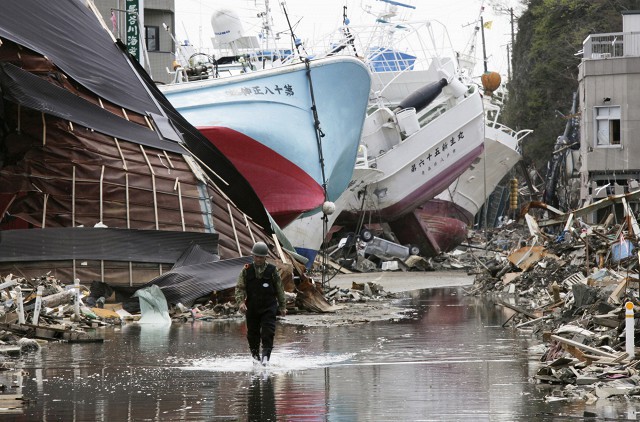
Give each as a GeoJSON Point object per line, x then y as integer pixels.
{"type": "Point", "coordinates": [319, 135]}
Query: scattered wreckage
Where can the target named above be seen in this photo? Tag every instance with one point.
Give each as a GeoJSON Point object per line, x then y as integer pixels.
{"type": "Point", "coordinates": [576, 287]}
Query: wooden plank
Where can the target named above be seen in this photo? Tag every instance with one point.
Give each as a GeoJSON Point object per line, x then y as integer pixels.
{"type": "Point", "coordinates": [518, 309]}
{"type": "Point", "coordinates": [603, 203]}
{"type": "Point", "coordinates": [583, 346]}
{"type": "Point", "coordinates": [333, 265]}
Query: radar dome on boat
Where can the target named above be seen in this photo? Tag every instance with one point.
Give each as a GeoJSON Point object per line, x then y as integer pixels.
{"type": "Point", "coordinates": [490, 82]}
{"type": "Point", "coordinates": [226, 25]}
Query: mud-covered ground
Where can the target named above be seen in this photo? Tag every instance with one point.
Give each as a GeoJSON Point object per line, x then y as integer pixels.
{"type": "Point", "coordinates": [388, 306]}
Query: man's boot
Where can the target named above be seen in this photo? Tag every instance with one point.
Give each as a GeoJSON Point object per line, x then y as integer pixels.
{"type": "Point", "coordinates": [255, 354]}
{"type": "Point", "coordinates": [266, 355]}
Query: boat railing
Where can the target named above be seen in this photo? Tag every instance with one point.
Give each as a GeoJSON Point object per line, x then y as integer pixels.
{"type": "Point", "coordinates": [609, 45]}
{"type": "Point", "coordinates": [362, 162]}
{"type": "Point", "coordinates": [388, 46]}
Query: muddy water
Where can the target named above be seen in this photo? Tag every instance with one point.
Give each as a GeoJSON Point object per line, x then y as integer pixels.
{"type": "Point", "coordinates": [451, 360]}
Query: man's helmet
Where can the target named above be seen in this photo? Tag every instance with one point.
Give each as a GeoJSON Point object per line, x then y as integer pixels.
{"type": "Point", "coordinates": [260, 249]}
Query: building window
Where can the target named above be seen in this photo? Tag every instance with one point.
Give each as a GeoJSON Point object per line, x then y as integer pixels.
{"type": "Point", "coordinates": [607, 126]}
{"type": "Point", "coordinates": [152, 38]}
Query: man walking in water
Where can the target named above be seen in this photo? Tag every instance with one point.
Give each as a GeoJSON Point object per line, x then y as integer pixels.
{"type": "Point", "coordinates": [260, 295]}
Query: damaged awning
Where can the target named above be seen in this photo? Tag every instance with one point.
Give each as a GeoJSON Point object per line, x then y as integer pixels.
{"type": "Point", "coordinates": [28, 90]}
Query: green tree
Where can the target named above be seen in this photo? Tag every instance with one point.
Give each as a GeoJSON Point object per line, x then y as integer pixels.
{"type": "Point", "coordinates": [545, 61]}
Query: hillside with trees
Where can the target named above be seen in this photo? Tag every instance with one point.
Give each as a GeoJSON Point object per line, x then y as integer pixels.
{"type": "Point", "coordinates": [545, 61]}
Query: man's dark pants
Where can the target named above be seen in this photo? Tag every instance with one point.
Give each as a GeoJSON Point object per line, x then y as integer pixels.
{"type": "Point", "coordinates": [261, 326]}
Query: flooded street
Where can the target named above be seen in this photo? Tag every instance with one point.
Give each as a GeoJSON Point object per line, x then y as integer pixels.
{"type": "Point", "coordinates": [451, 360]}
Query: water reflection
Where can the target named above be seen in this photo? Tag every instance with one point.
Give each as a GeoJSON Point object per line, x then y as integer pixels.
{"type": "Point", "coordinates": [451, 361]}
{"type": "Point", "coordinates": [154, 338]}
{"type": "Point", "coordinates": [261, 401]}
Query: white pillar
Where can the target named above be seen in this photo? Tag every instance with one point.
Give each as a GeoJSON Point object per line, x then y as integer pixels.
{"type": "Point", "coordinates": [629, 330]}
{"type": "Point", "coordinates": [20, 305]}
{"type": "Point", "coordinates": [36, 311]}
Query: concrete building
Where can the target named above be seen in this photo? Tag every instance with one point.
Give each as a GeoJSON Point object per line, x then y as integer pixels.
{"type": "Point", "coordinates": [157, 51]}
{"type": "Point", "coordinates": [609, 93]}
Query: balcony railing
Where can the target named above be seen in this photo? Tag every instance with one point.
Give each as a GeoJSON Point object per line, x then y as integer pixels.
{"type": "Point", "coordinates": [614, 44]}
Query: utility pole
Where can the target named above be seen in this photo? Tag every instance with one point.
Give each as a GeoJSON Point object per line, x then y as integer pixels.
{"type": "Point", "coordinates": [508, 62]}
{"type": "Point", "coordinates": [484, 49]}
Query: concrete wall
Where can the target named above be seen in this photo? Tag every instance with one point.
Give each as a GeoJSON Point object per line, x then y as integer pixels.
{"type": "Point", "coordinates": [619, 80]}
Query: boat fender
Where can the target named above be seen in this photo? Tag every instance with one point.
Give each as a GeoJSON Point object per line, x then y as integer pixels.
{"type": "Point", "coordinates": [422, 97]}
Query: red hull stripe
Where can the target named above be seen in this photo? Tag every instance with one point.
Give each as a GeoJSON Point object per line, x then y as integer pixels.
{"type": "Point", "coordinates": [284, 188]}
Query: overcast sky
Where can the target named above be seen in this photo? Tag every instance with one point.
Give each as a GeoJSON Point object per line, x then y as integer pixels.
{"type": "Point", "coordinates": [316, 17]}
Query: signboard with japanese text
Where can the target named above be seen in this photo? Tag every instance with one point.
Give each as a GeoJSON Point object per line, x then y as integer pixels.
{"type": "Point", "coordinates": [133, 23]}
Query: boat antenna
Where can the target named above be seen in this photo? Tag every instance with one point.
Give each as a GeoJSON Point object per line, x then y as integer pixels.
{"type": "Point", "coordinates": [296, 41]}
{"type": "Point", "coordinates": [345, 29]}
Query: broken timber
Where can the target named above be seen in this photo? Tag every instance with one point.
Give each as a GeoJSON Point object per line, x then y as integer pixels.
{"type": "Point", "coordinates": [583, 346]}
{"type": "Point", "coordinates": [603, 203]}
{"type": "Point", "coordinates": [518, 309]}
{"type": "Point", "coordinates": [51, 333]}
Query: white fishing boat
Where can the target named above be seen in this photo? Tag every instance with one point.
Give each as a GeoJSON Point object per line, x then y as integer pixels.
{"type": "Point", "coordinates": [425, 127]}
{"type": "Point", "coordinates": [502, 152]}
{"type": "Point", "coordinates": [440, 224]}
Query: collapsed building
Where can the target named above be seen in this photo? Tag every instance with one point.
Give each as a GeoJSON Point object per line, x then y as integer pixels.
{"type": "Point", "coordinates": [100, 178]}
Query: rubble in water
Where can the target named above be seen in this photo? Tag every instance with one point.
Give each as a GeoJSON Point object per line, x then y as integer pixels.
{"type": "Point", "coordinates": [567, 283]}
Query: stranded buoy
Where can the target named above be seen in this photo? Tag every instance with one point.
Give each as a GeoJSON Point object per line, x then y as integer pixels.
{"type": "Point", "coordinates": [490, 82]}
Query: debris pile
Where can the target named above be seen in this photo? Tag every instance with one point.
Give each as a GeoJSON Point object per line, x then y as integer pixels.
{"type": "Point", "coordinates": [46, 309]}
{"type": "Point", "coordinates": [576, 287]}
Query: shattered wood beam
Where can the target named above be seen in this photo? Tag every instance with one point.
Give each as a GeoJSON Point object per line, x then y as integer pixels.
{"type": "Point", "coordinates": [633, 223]}
{"type": "Point", "coordinates": [155, 201]}
{"type": "Point", "coordinates": [582, 346]}
{"type": "Point", "coordinates": [603, 203]}
{"type": "Point", "coordinates": [518, 309]}
{"type": "Point", "coordinates": [44, 210]}
{"type": "Point", "coordinates": [54, 300]}
{"type": "Point", "coordinates": [246, 222]}
{"type": "Point", "coordinates": [101, 195]}
{"type": "Point", "coordinates": [569, 223]}
{"type": "Point", "coordinates": [178, 188]}
{"type": "Point", "coordinates": [279, 249]}
{"type": "Point", "coordinates": [126, 195]}
{"type": "Point", "coordinates": [201, 163]}
{"type": "Point", "coordinates": [533, 321]}
{"type": "Point", "coordinates": [233, 226]}
{"type": "Point", "coordinates": [153, 183]}
{"type": "Point", "coordinates": [124, 162]}
{"type": "Point", "coordinates": [168, 159]}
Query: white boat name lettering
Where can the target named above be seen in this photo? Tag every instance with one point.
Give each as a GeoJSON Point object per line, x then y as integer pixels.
{"type": "Point", "coordinates": [432, 158]}
{"type": "Point", "coordinates": [262, 90]}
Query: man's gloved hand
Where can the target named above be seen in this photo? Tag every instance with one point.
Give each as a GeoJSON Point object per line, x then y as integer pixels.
{"type": "Point", "coordinates": [243, 308]}
{"type": "Point", "coordinates": [282, 312]}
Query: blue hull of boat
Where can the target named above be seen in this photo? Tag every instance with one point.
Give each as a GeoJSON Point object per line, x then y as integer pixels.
{"type": "Point", "coordinates": [274, 107]}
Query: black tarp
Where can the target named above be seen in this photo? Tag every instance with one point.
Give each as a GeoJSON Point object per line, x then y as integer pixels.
{"type": "Point", "coordinates": [30, 91]}
{"type": "Point", "coordinates": [187, 283]}
{"type": "Point", "coordinates": [71, 36]}
{"type": "Point", "coordinates": [65, 243]}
